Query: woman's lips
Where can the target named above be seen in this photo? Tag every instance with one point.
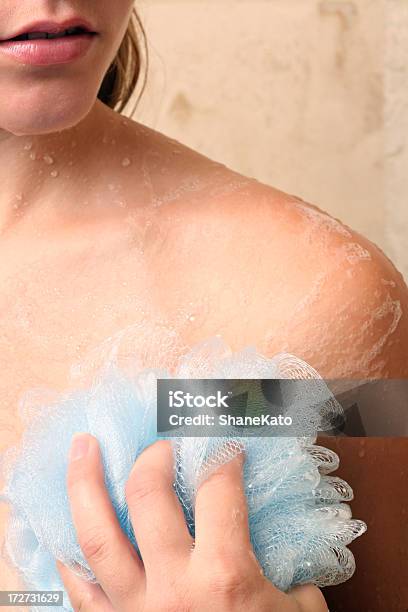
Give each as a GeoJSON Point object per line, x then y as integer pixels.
{"type": "Point", "coordinates": [48, 51]}
{"type": "Point", "coordinates": [44, 43]}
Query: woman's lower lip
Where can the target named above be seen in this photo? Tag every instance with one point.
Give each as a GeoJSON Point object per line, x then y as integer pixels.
{"type": "Point", "coordinates": [48, 51]}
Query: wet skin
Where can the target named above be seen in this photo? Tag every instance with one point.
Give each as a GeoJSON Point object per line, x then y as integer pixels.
{"type": "Point", "coordinates": [115, 225]}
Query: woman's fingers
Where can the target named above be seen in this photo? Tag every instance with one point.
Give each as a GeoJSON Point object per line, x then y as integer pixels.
{"type": "Point", "coordinates": [108, 551]}
{"type": "Point", "coordinates": [221, 515]}
{"type": "Point", "coordinates": [84, 596]}
{"type": "Point", "coordinates": [221, 573]}
{"type": "Point", "coordinates": [223, 546]}
{"type": "Point", "coordinates": [157, 516]}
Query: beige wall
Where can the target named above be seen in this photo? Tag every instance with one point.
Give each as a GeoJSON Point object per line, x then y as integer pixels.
{"type": "Point", "coordinates": [396, 133]}
{"type": "Point", "coordinates": [310, 96]}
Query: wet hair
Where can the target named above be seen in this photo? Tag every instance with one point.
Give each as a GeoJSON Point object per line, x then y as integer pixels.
{"type": "Point", "coordinates": [123, 74]}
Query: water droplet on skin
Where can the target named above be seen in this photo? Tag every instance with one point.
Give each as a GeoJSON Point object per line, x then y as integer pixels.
{"type": "Point", "coordinates": [111, 187]}
{"type": "Point", "coordinates": [33, 156]}
{"type": "Point", "coordinates": [48, 160]}
{"type": "Point", "coordinates": [19, 197]}
{"type": "Point", "coordinates": [191, 318]}
{"type": "Point", "coordinates": [54, 174]}
{"type": "Point", "coordinates": [105, 140]}
{"type": "Point", "coordinates": [28, 146]}
{"type": "Point", "coordinates": [126, 162]}
{"type": "Point", "coordinates": [361, 453]}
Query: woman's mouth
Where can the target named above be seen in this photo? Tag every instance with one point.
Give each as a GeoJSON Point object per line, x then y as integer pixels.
{"type": "Point", "coordinates": [49, 43]}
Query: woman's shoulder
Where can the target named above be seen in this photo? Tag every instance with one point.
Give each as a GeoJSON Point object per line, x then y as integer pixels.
{"type": "Point", "coordinates": [336, 299]}
{"type": "Point", "coordinates": [271, 269]}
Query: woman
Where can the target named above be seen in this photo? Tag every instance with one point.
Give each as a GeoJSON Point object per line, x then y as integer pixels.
{"type": "Point", "coordinates": [106, 223]}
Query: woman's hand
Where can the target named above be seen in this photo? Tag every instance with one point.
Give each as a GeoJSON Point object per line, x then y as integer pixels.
{"type": "Point", "coordinates": [218, 572]}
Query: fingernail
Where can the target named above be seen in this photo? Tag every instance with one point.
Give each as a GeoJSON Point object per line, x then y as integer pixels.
{"type": "Point", "coordinates": [79, 447]}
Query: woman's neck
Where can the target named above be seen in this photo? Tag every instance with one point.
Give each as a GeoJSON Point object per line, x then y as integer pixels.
{"type": "Point", "coordinates": [35, 171]}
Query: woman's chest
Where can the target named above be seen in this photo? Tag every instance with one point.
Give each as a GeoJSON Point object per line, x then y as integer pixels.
{"type": "Point", "coordinates": [61, 319]}
{"type": "Point", "coordinates": [66, 309]}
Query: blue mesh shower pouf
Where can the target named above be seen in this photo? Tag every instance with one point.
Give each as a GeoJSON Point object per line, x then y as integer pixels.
{"type": "Point", "coordinates": [299, 522]}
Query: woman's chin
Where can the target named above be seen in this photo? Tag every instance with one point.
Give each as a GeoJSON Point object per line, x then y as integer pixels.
{"type": "Point", "coordinates": [32, 118]}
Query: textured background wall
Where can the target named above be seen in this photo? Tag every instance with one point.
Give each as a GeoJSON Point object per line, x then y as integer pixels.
{"type": "Point", "coordinates": [307, 95]}
{"type": "Point", "coordinates": [396, 133]}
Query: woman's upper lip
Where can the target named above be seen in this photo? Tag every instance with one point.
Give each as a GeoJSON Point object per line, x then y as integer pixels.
{"type": "Point", "coordinates": [51, 27]}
